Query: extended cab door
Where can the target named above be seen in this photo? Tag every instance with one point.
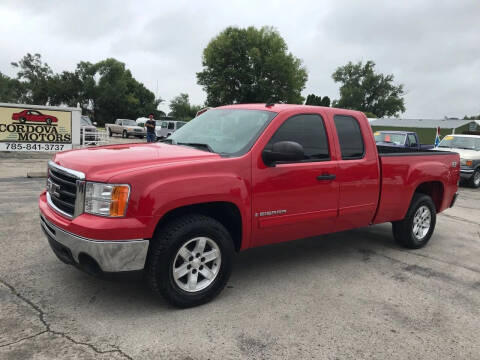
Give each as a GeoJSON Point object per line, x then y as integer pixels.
{"type": "Point", "coordinates": [295, 199]}
{"type": "Point", "coordinates": [358, 173]}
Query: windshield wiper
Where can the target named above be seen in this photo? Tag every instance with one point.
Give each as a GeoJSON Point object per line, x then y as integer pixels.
{"type": "Point", "coordinates": [205, 146]}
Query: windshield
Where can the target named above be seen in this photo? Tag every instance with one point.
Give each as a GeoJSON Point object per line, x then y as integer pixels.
{"type": "Point", "coordinates": [85, 121]}
{"type": "Point", "coordinates": [129, 122]}
{"type": "Point", "coordinates": [460, 142]}
{"type": "Point", "coordinates": [397, 139]}
{"type": "Point", "coordinates": [225, 131]}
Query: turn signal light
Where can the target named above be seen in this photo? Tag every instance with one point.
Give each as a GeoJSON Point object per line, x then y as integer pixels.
{"type": "Point", "coordinates": [118, 205]}
{"type": "Point", "coordinates": [469, 162]}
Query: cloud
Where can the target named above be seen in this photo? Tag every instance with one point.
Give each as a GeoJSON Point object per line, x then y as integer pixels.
{"type": "Point", "coordinates": [431, 46]}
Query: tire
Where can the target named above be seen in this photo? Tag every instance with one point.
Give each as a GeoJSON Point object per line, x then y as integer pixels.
{"type": "Point", "coordinates": [125, 134]}
{"type": "Point", "coordinates": [474, 180]}
{"type": "Point", "coordinates": [183, 236]}
{"type": "Point", "coordinates": [22, 120]}
{"type": "Point", "coordinates": [110, 132]}
{"type": "Point", "coordinates": [407, 232]}
{"type": "Point", "coordinates": [48, 121]}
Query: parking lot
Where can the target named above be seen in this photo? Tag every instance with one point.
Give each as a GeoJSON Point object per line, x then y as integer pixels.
{"type": "Point", "coordinates": [350, 295]}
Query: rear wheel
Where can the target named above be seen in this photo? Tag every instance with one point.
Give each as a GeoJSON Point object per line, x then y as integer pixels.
{"type": "Point", "coordinates": [474, 181]}
{"type": "Point", "coordinates": [415, 230]}
{"type": "Point", "coordinates": [190, 260]}
{"type": "Point", "coordinates": [23, 120]}
{"type": "Point", "coordinates": [109, 132]}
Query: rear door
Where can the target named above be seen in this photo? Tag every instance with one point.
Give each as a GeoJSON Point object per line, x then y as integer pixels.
{"type": "Point", "coordinates": [297, 199]}
{"type": "Point", "coordinates": [358, 172]}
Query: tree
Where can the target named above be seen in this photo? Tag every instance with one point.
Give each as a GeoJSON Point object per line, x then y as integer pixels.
{"type": "Point", "coordinates": [10, 89]}
{"type": "Point", "coordinates": [117, 94]}
{"type": "Point", "coordinates": [364, 90]}
{"type": "Point", "coordinates": [312, 99]}
{"type": "Point", "coordinates": [105, 90]}
{"type": "Point", "coordinates": [250, 65]}
{"type": "Point", "coordinates": [181, 109]}
{"type": "Point", "coordinates": [35, 77]}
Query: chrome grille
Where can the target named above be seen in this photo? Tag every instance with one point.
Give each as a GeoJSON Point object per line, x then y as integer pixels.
{"type": "Point", "coordinates": [65, 190]}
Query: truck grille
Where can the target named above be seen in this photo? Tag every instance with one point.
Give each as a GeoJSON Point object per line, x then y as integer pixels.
{"type": "Point", "coordinates": [63, 187]}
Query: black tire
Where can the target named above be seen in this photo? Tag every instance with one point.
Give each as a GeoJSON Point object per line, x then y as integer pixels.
{"type": "Point", "coordinates": [403, 230]}
{"type": "Point", "coordinates": [163, 250]}
{"type": "Point", "coordinates": [22, 120]}
{"type": "Point", "coordinates": [48, 121]}
{"type": "Point", "coordinates": [109, 132]}
{"type": "Point", "coordinates": [474, 180]}
{"type": "Point", "coordinates": [125, 134]}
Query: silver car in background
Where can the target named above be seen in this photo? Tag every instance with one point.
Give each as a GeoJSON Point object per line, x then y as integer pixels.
{"type": "Point", "coordinates": [165, 128]}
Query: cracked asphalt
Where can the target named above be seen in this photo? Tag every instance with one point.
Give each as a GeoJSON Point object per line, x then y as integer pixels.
{"type": "Point", "coordinates": [350, 295]}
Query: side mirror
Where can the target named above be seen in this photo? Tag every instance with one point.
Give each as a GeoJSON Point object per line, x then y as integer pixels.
{"type": "Point", "coordinates": [95, 123]}
{"type": "Point", "coordinates": [283, 151]}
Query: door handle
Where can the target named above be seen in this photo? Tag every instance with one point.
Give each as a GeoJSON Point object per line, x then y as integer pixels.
{"type": "Point", "coordinates": [326, 177]}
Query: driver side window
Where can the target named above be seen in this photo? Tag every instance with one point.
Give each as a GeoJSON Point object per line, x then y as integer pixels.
{"type": "Point", "coordinates": [309, 131]}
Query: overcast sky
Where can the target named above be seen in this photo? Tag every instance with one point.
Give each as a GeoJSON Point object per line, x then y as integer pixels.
{"type": "Point", "coordinates": [431, 46]}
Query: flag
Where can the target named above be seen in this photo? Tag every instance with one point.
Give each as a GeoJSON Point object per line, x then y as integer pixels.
{"type": "Point", "coordinates": [437, 137]}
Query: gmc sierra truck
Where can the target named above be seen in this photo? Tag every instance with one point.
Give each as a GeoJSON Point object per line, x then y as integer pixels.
{"type": "Point", "coordinates": [233, 178]}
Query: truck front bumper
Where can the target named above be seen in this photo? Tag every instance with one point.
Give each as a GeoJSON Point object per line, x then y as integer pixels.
{"type": "Point", "coordinates": [95, 255]}
{"type": "Point", "coordinates": [466, 173]}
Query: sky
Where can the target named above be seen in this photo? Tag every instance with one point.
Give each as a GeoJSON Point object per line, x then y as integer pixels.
{"type": "Point", "coordinates": [432, 47]}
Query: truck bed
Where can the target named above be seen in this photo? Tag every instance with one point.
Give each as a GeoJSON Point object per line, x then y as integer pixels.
{"type": "Point", "coordinates": [403, 170]}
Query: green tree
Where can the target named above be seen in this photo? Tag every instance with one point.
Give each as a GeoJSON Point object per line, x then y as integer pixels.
{"type": "Point", "coordinates": [250, 65]}
{"type": "Point", "coordinates": [35, 77]}
{"type": "Point", "coordinates": [312, 99]}
{"type": "Point", "coordinates": [181, 109]}
{"type": "Point", "coordinates": [117, 94]}
{"type": "Point", "coordinates": [364, 90]}
{"type": "Point", "coordinates": [10, 89]}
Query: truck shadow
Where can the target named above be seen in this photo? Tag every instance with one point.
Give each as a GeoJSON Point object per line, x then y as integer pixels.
{"type": "Point", "coordinates": [272, 261]}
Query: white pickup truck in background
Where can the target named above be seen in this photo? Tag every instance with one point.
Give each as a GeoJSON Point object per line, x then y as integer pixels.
{"type": "Point", "coordinates": [126, 128]}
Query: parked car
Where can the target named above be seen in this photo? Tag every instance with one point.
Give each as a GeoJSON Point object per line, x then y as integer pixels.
{"type": "Point", "coordinates": [234, 178]}
{"type": "Point", "coordinates": [167, 127]}
{"type": "Point", "coordinates": [468, 146]}
{"type": "Point", "coordinates": [34, 116]}
{"type": "Point", "coordinates": [126, 128]}
{"type": "Point", "coordinates": [400, 139]}
{"type": "Point", "coordinates": [90, 130]}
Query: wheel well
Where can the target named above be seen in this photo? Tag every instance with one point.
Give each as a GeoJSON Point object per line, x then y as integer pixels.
{"type": "Point", "coordinates": [434, 189]}
{"type": "Point", "coordinates": [225, 212]}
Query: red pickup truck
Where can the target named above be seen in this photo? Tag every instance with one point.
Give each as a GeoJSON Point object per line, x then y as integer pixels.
{"type": "Point", "coordinates": [233, 178]}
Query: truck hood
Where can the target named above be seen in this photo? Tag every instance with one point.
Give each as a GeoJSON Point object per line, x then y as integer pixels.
{"type": "Point", "coordinates": [103, 162]}
{"type": "Point", "coordinates": [464, 153]}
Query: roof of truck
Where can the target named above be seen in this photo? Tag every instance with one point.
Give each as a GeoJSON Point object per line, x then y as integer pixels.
{"type": "Point", "coordinates": [277, 108]}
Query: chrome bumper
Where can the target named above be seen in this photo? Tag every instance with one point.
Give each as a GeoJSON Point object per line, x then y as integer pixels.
{"type": "Point", "coordinates": [111, 256]}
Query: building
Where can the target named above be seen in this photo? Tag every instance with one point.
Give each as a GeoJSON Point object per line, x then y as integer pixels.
{"type": "Point", "coordinates": [426, 128]}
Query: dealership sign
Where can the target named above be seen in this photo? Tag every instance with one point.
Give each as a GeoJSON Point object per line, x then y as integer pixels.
{"type": "Point", "coordinates": [24, 129]}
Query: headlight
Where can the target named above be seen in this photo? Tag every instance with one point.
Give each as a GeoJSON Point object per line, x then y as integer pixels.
{"type": "Point", "coordinates": [106, 199]}
{"type": "Point", "coordinates": [465, 162]}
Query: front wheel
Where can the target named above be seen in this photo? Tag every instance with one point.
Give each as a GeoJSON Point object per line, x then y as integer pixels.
{"type": "Point", "coordinates": [48, 121]}
{"type": "Point", "coordinates": [125, 134]}
{"type": "Point", "coordinates": [416, 229]}
{"type": "Point", "coordinates": [190, 260]}
{"type": "Point", "coordinates": [474, 181]}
